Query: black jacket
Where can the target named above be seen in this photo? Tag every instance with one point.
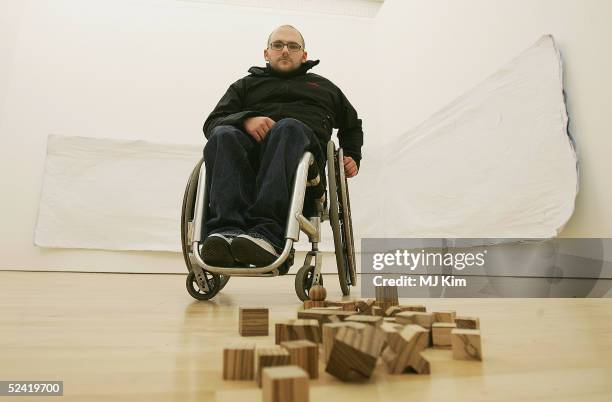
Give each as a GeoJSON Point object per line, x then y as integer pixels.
{"type": "Point", "coordinates": [308, 97]}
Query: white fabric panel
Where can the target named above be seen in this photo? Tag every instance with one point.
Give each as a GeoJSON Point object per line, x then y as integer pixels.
{"type": "Point", "coordinates": [496, 162]}
{"type": "Point", "coordinates": [101, 193]}
{"type": "Point", "coordinates": [113, 194]}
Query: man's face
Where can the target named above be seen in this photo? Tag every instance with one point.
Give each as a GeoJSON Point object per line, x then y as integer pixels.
{"type": "Point", "coordinates": [285, 59]}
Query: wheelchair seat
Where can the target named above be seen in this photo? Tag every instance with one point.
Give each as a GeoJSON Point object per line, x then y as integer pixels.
{"type": "Point", "coordinates": [308, 208]}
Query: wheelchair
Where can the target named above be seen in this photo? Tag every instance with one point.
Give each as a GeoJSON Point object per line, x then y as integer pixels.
{"type": "Point", "coordinates": [205, 281]}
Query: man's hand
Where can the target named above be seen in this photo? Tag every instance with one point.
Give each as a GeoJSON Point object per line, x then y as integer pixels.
{"type": "Point", "coordinates": [350, 167]}
{"type": "Point", "coordinates": [258, 127]}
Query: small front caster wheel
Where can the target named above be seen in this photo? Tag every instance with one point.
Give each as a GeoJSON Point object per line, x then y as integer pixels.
{"type": "Point", "coordinates": [303, 281]}
{"type": "Point", "coordinates": [214, 286]}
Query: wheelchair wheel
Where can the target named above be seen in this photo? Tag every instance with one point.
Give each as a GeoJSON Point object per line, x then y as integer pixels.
{"type": "Point", "coordinates": [340, 219]}
{"type": "Point", "coordinates": [346, 221]}
{"type": "Point", "coordinates": [303, 281]}
{"type": "Point", "coordinates": [214, 286]}
{"type": "Point", "coordinates": [187, 212]}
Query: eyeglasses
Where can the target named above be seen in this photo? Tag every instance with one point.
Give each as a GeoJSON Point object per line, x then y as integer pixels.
{"type": "Point", "coordinates": [291, 46]}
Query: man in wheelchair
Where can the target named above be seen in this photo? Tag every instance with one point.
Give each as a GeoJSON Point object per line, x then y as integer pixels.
{"type": "Point", "coordinates": [256, 135]}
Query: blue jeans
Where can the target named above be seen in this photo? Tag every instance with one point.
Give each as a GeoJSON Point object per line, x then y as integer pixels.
{"type": "Point", "coordinates": [250, 183]}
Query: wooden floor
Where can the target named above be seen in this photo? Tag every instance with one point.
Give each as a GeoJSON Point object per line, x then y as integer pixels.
{"type": "Point", "coordinates": [134, 337]}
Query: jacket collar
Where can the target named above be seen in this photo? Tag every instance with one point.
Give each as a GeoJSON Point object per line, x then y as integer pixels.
{"type": "Point", "coordinates": [268, 71]}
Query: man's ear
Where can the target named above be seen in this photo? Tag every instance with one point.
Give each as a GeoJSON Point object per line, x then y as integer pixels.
{"type": "Point", "coordinates": [266, 57]}
{"type": "Point", "coordinates": [304, 57]}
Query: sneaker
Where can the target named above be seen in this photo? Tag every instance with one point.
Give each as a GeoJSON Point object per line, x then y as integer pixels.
{"type": "Point", "coordinates": [254, 249]}
{"type": "Point", "coordinates": [216, 250]}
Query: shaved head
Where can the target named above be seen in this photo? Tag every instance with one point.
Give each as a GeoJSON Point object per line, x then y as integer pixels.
{"type": "Point", "coordinates": [284, 60]}
{"type": "Point", "coordinates": [287, 27]}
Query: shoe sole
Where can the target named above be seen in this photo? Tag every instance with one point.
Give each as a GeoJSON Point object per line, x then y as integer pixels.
{"type": "Point", "coordinates": [248, 252]}
{"type": "Point", "coordinates": [217, 252]}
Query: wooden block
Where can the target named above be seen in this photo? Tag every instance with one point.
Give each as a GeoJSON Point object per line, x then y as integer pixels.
{"type": "Point", "coordinates": [366, 319]}
{"type": "Point", "coordinates": [268, 357]}
{"type": "Point", "coordinates": [281, 331]}
{"type": "Point", "coordinates": [404, 349]}
{"type": "Point", "coordinates": [239, 362]}
{"type": "Point", "coordinates": [466, 344]}
{"type": "Point", "coordinates": [323, 315]}
{"type": "Point", "coordinates": [392, 310]}
{"type": "Point", "coordinates": [285, 384]}
{"type": "Point", "coordinates": [378, 311]}
{"type": "Point", "coordinates": [253, 321]}
{"type": "Point", "coordinates": [304, 354]}
{"type": "Point", "coordinates": [386, 294]}
{"type": "Point", "coordinates": [365, 306]}
{"type": "Point", "coordinates": [441, 333]}
{"type": "Point", "coordinates": [414, 317]}
{"type": "Point", "coordinates": [424, 320]}
{"type": "Point", "coordinates": [305, 329]}
{"type": "Point", "coordinates": [414, 307]}
{"type": "Point", "coordinates": [313, 303]}
{"type": "Point", "coordinates": [390, 325]}
{"type": "Point", "coordinates": [467, 322]}
{"type": "Point", "coordinates": [355, 352]}
{"type": "Point", "coordinates": [330, 330]}
{"type": "Point", "coordinates": [418, 363]}
{"type": "Point", "coordinates": [390, 328]}
{"type": "Point", "coordinates": [383, 306]}
{"type": "Point", "coordinates": [445, 316]}
{"type": "Point", "coordinates": [346, 305]}
{"type": "Point", "coordinates": [328, 308]}
{"type": "Point", "coordinates": [333, 318]}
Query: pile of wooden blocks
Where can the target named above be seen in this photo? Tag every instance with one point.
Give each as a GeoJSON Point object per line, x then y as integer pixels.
{"type": "Point", "coordinates": [356, 333]}
{"type": "Point", "coordinates": [283, 370]}
{"type": "Point", "coordinates": [353, 336]}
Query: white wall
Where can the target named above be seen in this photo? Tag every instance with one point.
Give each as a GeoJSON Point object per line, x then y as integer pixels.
{"type": "Point", "coordinates": [436, 50]}
{"type": "Point", "coordinates": [154, 69]}
{"type": "Point", "coordinates": [136, 70]}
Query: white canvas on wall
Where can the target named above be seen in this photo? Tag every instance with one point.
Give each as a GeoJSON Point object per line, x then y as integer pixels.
{"type": "Point", "coordinates": [496, 162]}
{"type": "Point", "coordinates": [113, 194]}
